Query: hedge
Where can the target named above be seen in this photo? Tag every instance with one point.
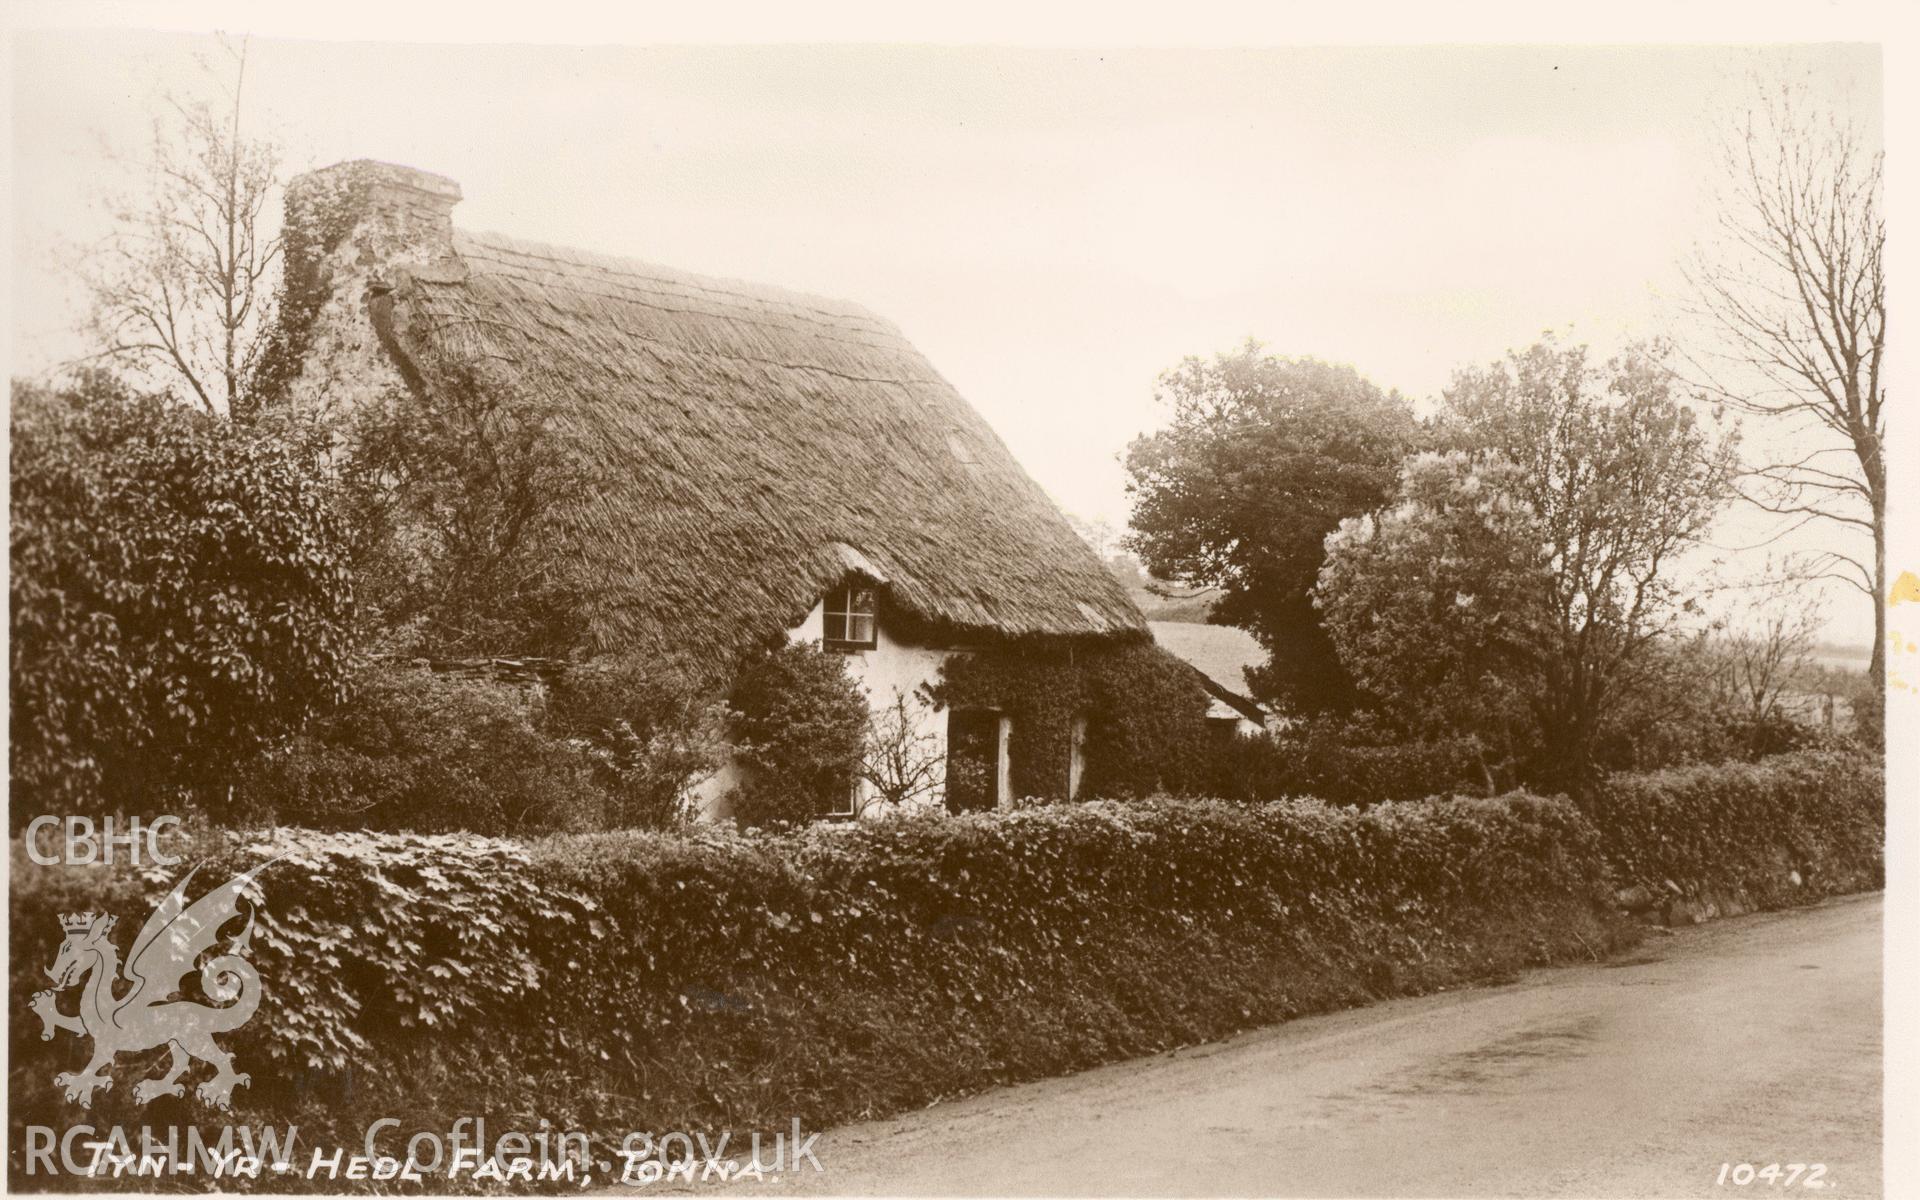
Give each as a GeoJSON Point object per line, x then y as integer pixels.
{"type": "Point", "coordinates": [715, 981]}
{"type": "Point", "coordinates": [1745, 832]}
{"type": "Point", "coordinates": [1329, 762]}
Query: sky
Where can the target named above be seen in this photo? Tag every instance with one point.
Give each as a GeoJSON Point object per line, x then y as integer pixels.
{"type": "Point", "coordinates": [1052, 228]}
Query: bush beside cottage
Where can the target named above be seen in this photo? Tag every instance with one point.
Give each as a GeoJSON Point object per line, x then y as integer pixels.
{"type": "Point", "coordinates": [179, 595]}
{"type": "Point", "coordinates": [716, 980]}
{"type": "Point", "coordinates": [605, 745]}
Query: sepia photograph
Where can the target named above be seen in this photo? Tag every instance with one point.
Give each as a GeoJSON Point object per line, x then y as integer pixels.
{"type": "Point", "coordinates": [1208, 605]}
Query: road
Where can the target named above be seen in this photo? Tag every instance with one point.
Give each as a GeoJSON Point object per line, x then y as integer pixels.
{"type": "Point", "coordinates": [1755, 1039]}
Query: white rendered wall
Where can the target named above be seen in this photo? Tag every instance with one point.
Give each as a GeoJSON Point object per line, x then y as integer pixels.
{"type": "Point", "coordinates": [891, 665]}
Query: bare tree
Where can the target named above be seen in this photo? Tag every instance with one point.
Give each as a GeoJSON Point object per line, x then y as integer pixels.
{"type": "Point", "coordinates": [183, 287]}
{"type": "Point", "coordinates": [1768, 651]}
{"type": "Point", "coordinates": [903, 762]}
{"type": "Point", "coordinates": [1795, 289]}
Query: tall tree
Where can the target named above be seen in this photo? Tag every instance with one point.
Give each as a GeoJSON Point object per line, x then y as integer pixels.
{"type": "Point", "coordinates": [1263, 458]}
{"type": "Point", "coordinates": [182, 289]}
{"type": "Point", "coordinates": [1794, 285]}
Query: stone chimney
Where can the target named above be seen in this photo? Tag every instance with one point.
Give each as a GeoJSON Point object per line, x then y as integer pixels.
{"type": "Point", "coordinates": [348, 228]}
{"type": "Point", "coordinates": [389, 213]}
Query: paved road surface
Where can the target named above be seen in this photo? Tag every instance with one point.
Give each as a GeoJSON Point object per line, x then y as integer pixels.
{"type": "Point", "coordinates": [1748, 1040]}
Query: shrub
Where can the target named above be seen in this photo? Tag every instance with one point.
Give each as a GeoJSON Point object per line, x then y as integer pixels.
{"type": "Point", "coordinates": [1751, 737]}
{"type": "Point", "coordinates": [1869, 708]}
{"type": "Point", "coordinates": [430, 753]}
{"type": "Point", "coordinates": [799, 725]}
{"type": "Point", "coordinates": [1347, 762]}
{"type": "Point", "coordinates": [461, 502]}
{"type": "Point", "coordinates": [1145, 711]}
{"type": "Point", "coordinates": [651, 738]}
{"type": "Point", "coordinates": [1674, 718]}
{"type": "Point", "coordinates": [179, 595]}
{"type": "Point", "coordinates": [1744, 829]}
{"type": "Point", "coordinates": [903, 760]}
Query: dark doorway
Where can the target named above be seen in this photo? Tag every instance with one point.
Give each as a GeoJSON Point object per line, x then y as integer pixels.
{"type": "Point", "coordinates": [973, 759]}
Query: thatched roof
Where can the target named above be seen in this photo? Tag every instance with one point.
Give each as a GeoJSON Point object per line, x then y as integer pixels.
{"type": "Point", "coordinates": [761, 444]}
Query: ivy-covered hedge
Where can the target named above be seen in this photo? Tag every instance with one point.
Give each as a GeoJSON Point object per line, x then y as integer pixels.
{"type": "Point", "coordinates": [715, 981]}
{"type": "Point", "coordinates": [1747, 831]}
{"type": "Point", "coordinates": [442, 955]}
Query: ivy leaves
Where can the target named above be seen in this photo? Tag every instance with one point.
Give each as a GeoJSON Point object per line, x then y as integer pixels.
{"type": "Point", "coordinates": [179, 594]}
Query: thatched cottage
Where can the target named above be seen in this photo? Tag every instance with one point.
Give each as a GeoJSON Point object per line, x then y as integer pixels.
{"type": "Point", "coordinates": [783, 462]}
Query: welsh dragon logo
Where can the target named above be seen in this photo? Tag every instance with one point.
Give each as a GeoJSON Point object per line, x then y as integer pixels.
{"type": "Point", "coordinates": [147, 1014]}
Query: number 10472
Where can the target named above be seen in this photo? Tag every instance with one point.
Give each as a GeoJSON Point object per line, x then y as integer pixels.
{"type": "Point", "coordinates": [1806, 1175]}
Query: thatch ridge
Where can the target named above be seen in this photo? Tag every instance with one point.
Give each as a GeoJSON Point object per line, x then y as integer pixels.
{"type": "Point", "coordinates": [754, 436]}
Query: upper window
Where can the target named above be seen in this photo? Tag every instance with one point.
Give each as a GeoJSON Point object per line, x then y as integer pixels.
{"type": "Point", "coordinates": [852, 612]}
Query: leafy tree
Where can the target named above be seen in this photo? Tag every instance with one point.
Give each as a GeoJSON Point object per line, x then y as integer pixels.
{"type": "Point", "coordinates": [1552, 531]}
{"type": "Point", "coordinates": [1439, 604]}
{"type": "Point", "coordinates": [461, 499]}
{"type": "Point", "coordinates": [1263, 458]}
{"type": "Point", "coordinates": [179, 593]}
